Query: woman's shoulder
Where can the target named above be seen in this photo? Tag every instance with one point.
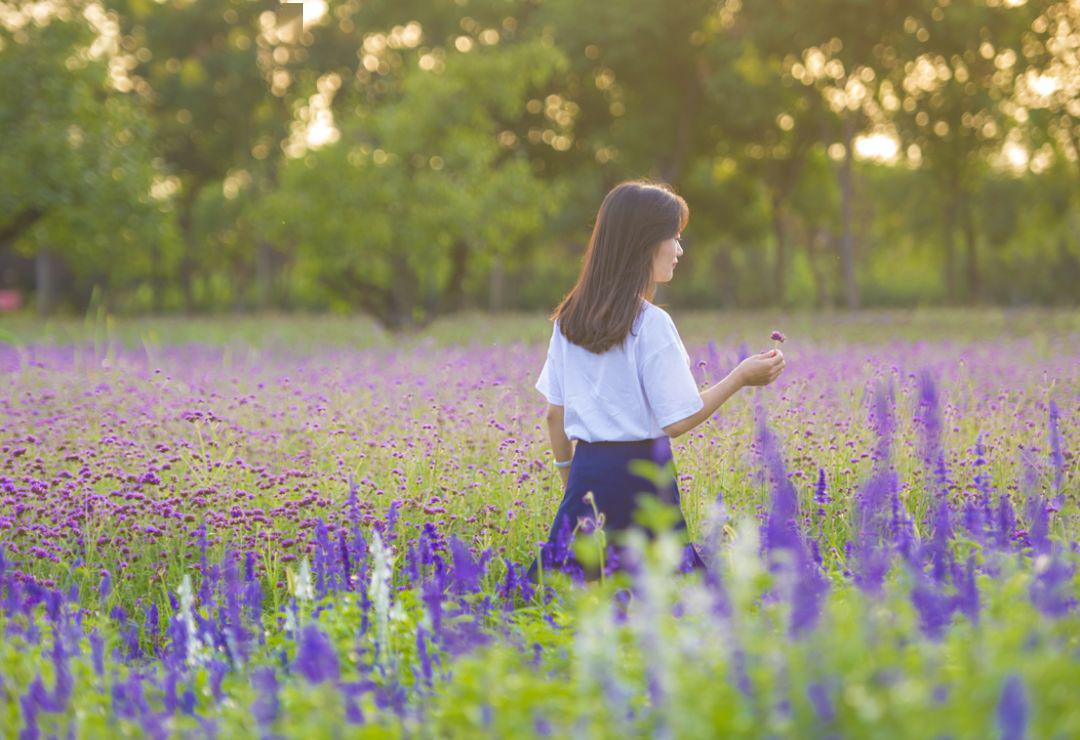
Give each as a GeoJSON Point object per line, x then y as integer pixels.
{"type": "Point", "coordinates": [652, 316]}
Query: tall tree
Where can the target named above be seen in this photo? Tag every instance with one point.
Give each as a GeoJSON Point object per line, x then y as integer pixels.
{"type": "Point", "coordinates": [217, 79]}
{"type": "Point", "coordinates": [76, 170]}
{"type": "Point", "coordinates": [417, 197]}
{"type": "Point", "coordinates": [955, 68]}
{"type": "Point", "coordinates": [836, 48]}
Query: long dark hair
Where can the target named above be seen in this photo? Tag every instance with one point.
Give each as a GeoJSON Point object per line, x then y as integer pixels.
{"type": "Point", "coordinates": [635, 217]}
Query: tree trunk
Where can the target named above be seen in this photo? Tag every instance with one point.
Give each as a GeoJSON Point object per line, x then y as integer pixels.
{"type": "Point", "coordinates": [847, 236]}
{"type": "Point", "coordinates": [265, 257]}
{"type": "Point", "coordinates": [264, 275]}
{"type": "Point", "coordinates": [671, 169]}
{"type": "Point", "coordinates": [816, 238]}
{"type": "Point", "coordinates": [393, 307]}
{"type": "Point", "coordinates": [1072, 125]}
{"type": "Point", "coordinates": [1067, 272]}
{"type": "Point", "coordinates": [157, 286]}
{"type": "Point", "coordinates": [724, 268]}
{"type": "Point", "coordinates": [949, 246]}
{"type": "Point", "coordinates": [497, 286]}
{"type": "Point", "coordinates": [404, 295]}
{"type": "Point", "coordinates": [454, 294]}
{"type": "Point", "coordinates": [971, 264]}
{"type": "Point", "coordinates": [45, 282]}
{"type": "Point", "coordinates": [19, 225]}
{"type": "Point", "coordinates": [780, 232]}
{"type": "Point", "coordinates": [186, 268]}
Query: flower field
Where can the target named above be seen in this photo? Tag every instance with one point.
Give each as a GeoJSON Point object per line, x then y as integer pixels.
{"type": "Point", "coordinates": [329, 539]}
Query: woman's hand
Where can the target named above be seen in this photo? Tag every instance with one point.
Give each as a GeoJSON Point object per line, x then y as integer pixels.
{"type": "Point", "coordinates": [761, 369]}
{"type": "Point", "coordinates": [564, 473]}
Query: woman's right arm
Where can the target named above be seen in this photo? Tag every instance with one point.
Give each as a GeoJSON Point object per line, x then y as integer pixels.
{"type": "Point", "coordinates": [760, 369]}
{"type": "Point", "coordinates": [561, 446]}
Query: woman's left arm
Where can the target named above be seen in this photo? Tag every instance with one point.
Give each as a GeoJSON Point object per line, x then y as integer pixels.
{"type": "Point", "coordinates": [560, 443]}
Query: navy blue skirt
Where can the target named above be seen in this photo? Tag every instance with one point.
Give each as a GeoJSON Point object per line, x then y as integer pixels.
{"type": "Point", "coordinates": [604, 469]}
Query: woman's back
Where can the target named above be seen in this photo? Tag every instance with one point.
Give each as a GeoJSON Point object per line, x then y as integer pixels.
{"type": "Point", "coordinates": [631, 391]}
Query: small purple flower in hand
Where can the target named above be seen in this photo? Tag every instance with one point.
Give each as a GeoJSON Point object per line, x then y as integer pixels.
{"type": "Point", "coordinates": [777, 337]}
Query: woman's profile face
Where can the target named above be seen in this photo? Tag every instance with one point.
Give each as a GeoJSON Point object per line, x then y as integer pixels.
{"type": "Point", "coordinates": [667, 255]}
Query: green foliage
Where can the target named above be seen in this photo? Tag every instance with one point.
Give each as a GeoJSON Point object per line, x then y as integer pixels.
{"type": "Point", "coordinates": [473, 143]}
{"type": "Point", "coordinates": [420, 195]}
{"type": "Point", "coordinates": [76, 164]}
{"type": "Point", "coordinates": [668, 666]}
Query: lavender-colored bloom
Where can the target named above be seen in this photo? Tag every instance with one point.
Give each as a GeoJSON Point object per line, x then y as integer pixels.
{"type": "Point", "coordinates": [467, 572]}
{"type": "Point", "coordinates": [1012, 708]}
{"type": "Point", "coordinates": [188, 702]}
{"type": "Point", "coordinates": [902, 532]}
{"type": "Point", "coordinates": [422, 651]}
{"type": "Point", "coordinates": [742, 678]}
{"type": "Point", "coordinates": [316, 658]}
{"type": "Point", "coordinates": [432, 594]}
{"type": "Point", "coordinates": [218, 669]}
{"type": "Point", "coordinates": [390, 533]}
{"type": "Point", "coordinates": [324, 559]}
{"type": "Point", "coordinates": [777, 336]}
{"type": "Point", "coordinates": [780, 528]}
{"type": "Point", "coordinates": [967, 596]}
{"type": "Point", "coordinates": [1057, 454]}
{"type": "Point", "coordinates": [821, 491]}
{"type": "Point", "coordinates": [509, 584]}
{"type": "Point", "coordinates": [1006, 521]}
{"type": "Point", "coordinates": [354, 715]}
{"type": "Point", "coordinates": [30, 701]}
{"type": "Point", "coordinates": [934, 608]}
{"type": "Point", "coordinates": [809, 592]}
{"type": "Point", "coordinates": [928, 417]}
{"type": "Point", "coordinates": [714, 357]}
{"type": "Point", "coordinates": [1038, 524]}
{"type": "Point", "coordinates": [152, 625]}
{"type": "Point", "coordinates": [57, 699]}
{"type": "Point", "coordinates": [871, 555]}
{"type": "Point", "coordinates": [266, 705]}
{"type": "Point", "coordinates": [1050, 590]}
{"type": "Point", "coordinates": [939, 543]}
{"type": "Point", "coordinates": [818, 694]}
{"type": "Point", "coordinates": [412, 565]}
{"type": "Point", "coordinates": [168, 691]}
{"type": "Point", "coordinates": [97, 651]}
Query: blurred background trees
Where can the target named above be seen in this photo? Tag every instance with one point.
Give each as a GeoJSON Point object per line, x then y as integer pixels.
{"type": "Point", "coordinates": [411, 158]}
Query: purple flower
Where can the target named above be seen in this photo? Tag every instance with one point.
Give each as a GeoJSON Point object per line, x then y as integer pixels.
{"type": "Point", "coordinates": [1057, 455]}
{"type": "Point", "coordinates": [425, 659]}
{"type": "Point", "coordinates": [934, 608]}
{"type": "Point", "coordinates": [967, 596]}
{"type": "Point", "coordinates": [106, 585]}
{"type": "Point", "coordinates": [1050, 590]}
{"type": "Point", "coordinates": [819, 698]}
{"type": "Point", "coordinates": [265, 706]}
{"type": "Point", "coordinates": [821, 491]}
{"type": "Point", "coordinates": [97, 652]}
{"type": "Point", "coordinates": [777, 336]}
{"type": "Point", "coordinates": [467, 572]}
{"type": "Point", "coordinates": [1012, 709]}
{"type": "Point", "coordinates": [315, 656]}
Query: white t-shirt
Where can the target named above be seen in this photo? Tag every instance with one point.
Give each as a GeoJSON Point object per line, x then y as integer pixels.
{"type": "Point", "coordinates": [631, 391]}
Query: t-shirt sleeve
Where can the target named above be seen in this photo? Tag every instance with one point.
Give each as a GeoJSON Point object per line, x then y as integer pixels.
{"type": "Point", "coordinates": [666, 378]}
{"type": "Point", "coordinates": [550, 381]}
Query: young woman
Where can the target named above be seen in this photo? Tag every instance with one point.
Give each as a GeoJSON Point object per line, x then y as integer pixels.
{"type": "Point", "coordinates": [617, 377]}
